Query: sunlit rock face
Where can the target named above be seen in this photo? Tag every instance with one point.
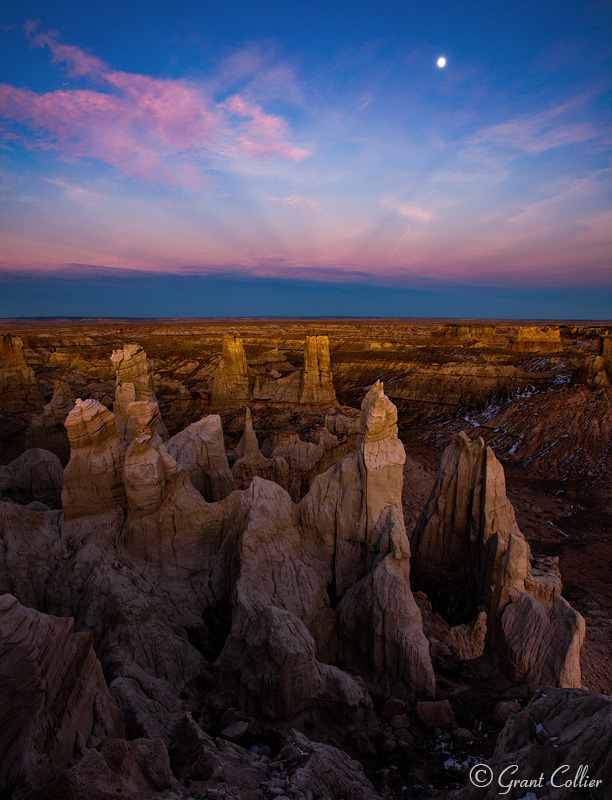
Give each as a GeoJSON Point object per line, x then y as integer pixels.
{"type": "Point", "coordinates": [531, 339]}
{"type": "Point", "coordinates": [18, 388]}
{"type": "Point", "coordinates": [134, 383]}
{"type": "Point", "coordinates": [93, 478]}
{"type": "Point", "coordinates": [317, 387]}
{"type": "Point", "coordinates": [468, 553]}
{"type": "Point", "coordinates": [471, 331]}
{"type": "Point", "coordinates": [231, 380]}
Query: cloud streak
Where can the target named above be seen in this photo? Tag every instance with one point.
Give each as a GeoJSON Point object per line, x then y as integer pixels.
{"type": "Point", "coordinates": [157, 129]}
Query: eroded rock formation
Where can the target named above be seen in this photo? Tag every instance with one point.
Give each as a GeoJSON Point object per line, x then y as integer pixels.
{"type": "Point", "coordinates": [250, 461]}
{"type": "Point", "coordinates": [47, 429]}
{"type": "Point", "coordinates": [37, 475]}
{"type": "Point", "coordinates": [93, 478]}
{"type": "Point", "coordinates": [563, 734]}
{"type": "Point", "coordinates": [230, 385]}
{"type": "Point", "coordinates": [596, 370]}
{"type": "Point", "coordinates": [54, 700]}
{"type": "Point", "coordinates": [134, 383]}
{"type": "Point", "coordinates": [200, 450]}
{"type": "Point", "coordinates": [529, 340]}
{"type": "Point", "coordinates": [469, 553]}
{"type": "Point", "coordinates": [317, 387]}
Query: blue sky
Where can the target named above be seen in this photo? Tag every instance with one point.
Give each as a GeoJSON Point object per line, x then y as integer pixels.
{"type": "Point", "coordinates": [311, 155]}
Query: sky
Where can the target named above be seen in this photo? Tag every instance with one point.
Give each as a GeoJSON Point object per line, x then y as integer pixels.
{"type": "Point", "coordinates": [225, 157]}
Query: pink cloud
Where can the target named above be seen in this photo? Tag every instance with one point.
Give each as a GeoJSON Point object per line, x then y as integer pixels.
{"type": "Point", "coordinates": [300, 200]}
{"type": "Point", "coordinates": [153, 128]}
{"type": "Point", "coordinates": [262, 134]}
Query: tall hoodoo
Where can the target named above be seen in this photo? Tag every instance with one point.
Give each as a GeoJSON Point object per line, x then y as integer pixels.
{"type": "Point", "coordinates": [18, 388]}
{"type": "Point", "coordinates": [381, 453]}
{"type": "Point", "coordinates": [317, 387]}
{"type": "Point", "coordinates": [93, 478]}
{"type": "Point", "coordinates": [468, 504]}
{"type": "Point", "coordinates": [231, 380]}
{"type": "Point", "coordinates": [468, 552]}
{"type": "Point", "coordinates": [355, 512]}
{"type": "Point", "coordinates": [134, 383]}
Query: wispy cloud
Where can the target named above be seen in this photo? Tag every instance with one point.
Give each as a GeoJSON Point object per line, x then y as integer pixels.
{"type": "Point", "coordinates": [539, 131]}
{"type": "Point", "coordinates": [162, 130]}
{"type": "Point", "coordinates": [301, 201]}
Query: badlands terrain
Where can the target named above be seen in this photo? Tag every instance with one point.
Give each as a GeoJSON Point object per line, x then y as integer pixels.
{"type": "Point", "coordinates": [260, 559]}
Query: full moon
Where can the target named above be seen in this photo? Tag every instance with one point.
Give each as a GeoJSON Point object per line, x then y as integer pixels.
{"type": "Point", "coordinates": [441, 62]}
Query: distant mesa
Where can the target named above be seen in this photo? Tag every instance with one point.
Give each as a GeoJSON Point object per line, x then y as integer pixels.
{"type": "Point", "coordinates": [534, 340]}
{"type": "Point", "coordinates": [475, 332]}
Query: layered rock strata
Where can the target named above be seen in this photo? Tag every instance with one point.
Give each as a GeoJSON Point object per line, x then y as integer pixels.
{"type": "Point", "coordinates": [469, 553]}
{"type": "Point", "coordinates": [18, 388]}
{"type": "Point", "coordinates": [467, 331]}
{"type": "Point", "coordinates": [530, 340]}
{"type": "Point", "coordinates": [93, 478]}
{"type": "Point", "coordinates": [134, 383]}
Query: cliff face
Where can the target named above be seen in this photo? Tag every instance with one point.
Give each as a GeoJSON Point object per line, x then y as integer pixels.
{"type": "Point", "coordinates": [532, 340]}
{"type": "Point", "coordinates": [18, 388]}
